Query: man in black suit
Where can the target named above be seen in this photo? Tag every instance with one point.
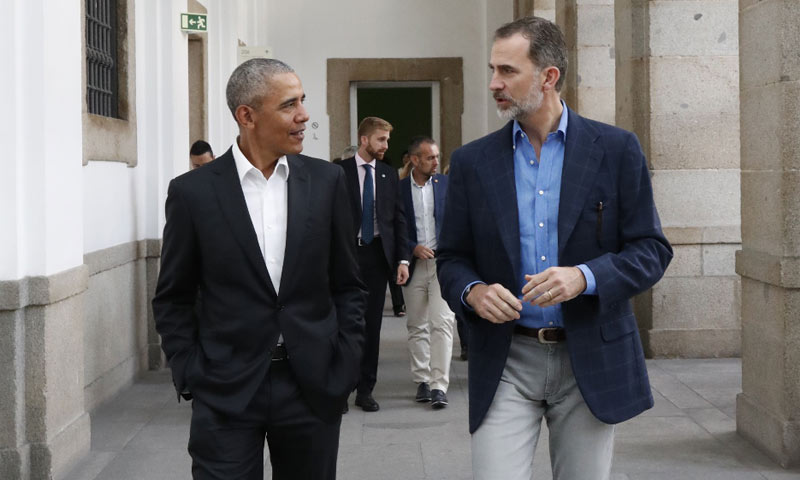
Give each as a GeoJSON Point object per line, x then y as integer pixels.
{"type": "Point", "coordinates": [259, 304]}
{"type": "Point", "coordinates": [380, 236]}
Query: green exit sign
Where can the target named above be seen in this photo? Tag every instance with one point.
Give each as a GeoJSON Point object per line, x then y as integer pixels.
{"type": "Point", "coordinates": [194, 22]}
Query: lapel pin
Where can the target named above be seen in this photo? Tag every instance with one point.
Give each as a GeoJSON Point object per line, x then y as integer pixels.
{"type": "Point", "coordinates": [435, 180]}
{"type": "Point", "coordinates": [383, 175]}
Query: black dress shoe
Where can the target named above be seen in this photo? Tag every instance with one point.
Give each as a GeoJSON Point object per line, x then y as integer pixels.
{"type": "Point", "coordinates": [367, 403]}
{"type": "Point", "coordinates": [423, 393]}
{"type": "Point", "coordinates": [438, 399]}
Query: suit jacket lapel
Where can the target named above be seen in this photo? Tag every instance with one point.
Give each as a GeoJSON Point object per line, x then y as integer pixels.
{"type": "Point", "coordinates": [438, 204]}
{"type": "Point", "coordinates": [496, 172]}
{"type": "Point", "coordinates": [408, 203]}
{"type": "Point", "coordinates": [232, 203]}
{"type": "Point", "coordinates": [582, 157]}
{"type": "Point", "coordinates": [299, 187]}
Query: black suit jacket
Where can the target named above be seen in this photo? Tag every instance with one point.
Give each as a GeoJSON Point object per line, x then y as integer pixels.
{"type": "Point", "coordinates": [217, 311]}
{"type": "Point", "coordinates": [388, 205]}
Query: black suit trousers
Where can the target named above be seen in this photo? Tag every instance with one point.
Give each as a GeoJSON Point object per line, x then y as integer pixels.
{"type": "Point", "coordinates": [375, 274]}
{"type": "Point", "coordinates": [301, 446]}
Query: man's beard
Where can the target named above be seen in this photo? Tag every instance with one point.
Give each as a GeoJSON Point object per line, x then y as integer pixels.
{"type": "Point", "coordinates": [518, 110]}
{"type": "Point", "coordinates": [374, 154]}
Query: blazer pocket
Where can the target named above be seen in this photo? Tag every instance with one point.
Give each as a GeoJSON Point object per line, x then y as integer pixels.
{"type": "Point", "coordinates": [618, 328]}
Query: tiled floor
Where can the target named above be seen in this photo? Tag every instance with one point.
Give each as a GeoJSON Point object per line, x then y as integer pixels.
{"type": "Point", "coordinates": [689, 435]}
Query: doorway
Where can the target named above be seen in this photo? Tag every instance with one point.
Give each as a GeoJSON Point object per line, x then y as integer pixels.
{"type": "Point", "coordinates": [411, 107]}
{"type": "Point", "coordinates": [447, 72]}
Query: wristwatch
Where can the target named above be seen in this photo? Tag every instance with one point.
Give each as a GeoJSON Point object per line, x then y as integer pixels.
{"type": "Point", "coordinates": [405, 262]}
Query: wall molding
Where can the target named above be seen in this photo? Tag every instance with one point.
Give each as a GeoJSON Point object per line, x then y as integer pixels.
{"type": "Point", "coordinates": [49, 289]}
{"type": "Point", "coordinates": [43, 290]}
{"type": "Point", "coordinates": [122, 254]}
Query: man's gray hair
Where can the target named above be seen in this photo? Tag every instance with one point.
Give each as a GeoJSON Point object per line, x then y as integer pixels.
{"type": "Point", "coordinates": [547, 46]}
{"type": "Point", "coordinates": [249, 83]}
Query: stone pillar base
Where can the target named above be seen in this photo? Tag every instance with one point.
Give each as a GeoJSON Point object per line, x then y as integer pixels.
{"type": "Point", "coordinates": [692, 343]}
{"type": "Point", "coordinates": [53, 459]}
{"type": "Point", "coordinates": [15, 462]}
{"type": "Point", "coordinates": [777, 437]}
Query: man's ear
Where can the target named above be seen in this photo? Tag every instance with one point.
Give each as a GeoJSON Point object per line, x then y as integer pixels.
{"type": "Point", "coordinates": [244, 115]}
{"type": "Point", "coordinates": [552, 74]}
{"type": "Point", "coordinates": [363, 140]}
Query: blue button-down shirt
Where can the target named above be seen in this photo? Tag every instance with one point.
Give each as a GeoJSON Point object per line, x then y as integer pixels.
{"type": "Point", "coordinates": [538, 183]}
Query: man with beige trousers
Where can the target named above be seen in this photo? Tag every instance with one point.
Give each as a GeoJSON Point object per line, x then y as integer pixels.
{"type": "Point", "coordinates": [429, 320]}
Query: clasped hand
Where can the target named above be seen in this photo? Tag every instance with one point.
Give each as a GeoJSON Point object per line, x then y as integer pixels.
{"type": "Point", "coordinates": [550, 287]}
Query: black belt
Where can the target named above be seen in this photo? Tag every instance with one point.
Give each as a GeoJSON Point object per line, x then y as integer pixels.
{"type": "Point", "coordinates": [280, 354]}
{"type": "Point", "coordinates": [544, 335]}
{"type": "Point", "coordinates": [375, 239]}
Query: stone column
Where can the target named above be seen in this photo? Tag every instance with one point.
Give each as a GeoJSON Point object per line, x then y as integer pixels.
{"type": "Point", "coordinates": [768, 409]}
{"type": "Point", "coordinates": [678, 88]}
{"type": "Point", "coordinates": [545, 9]}
{"type": "Point", "coordinates": [44, 428]}
{"type": "Point", "coordinates": [588, 26]}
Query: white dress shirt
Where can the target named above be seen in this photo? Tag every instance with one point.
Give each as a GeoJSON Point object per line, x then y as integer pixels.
{"type": "Point", "coordinates": [361, 174]}
{"type": "Point", "coordinates": [422, 199]}
{"type": "Point", "coordinates": [268, 204]}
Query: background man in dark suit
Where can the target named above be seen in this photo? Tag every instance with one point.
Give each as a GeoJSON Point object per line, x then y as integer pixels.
{"type": "Point", "coordinates": [430, 321]}
{"type": "Point", "coordinates": [258, 302]}
{"type": "Point", "coordinates": [549, 229]}
{"type": "Point", "coordinates": [380, 236]}
{"type": "Point", "coordinates": [200, 154]}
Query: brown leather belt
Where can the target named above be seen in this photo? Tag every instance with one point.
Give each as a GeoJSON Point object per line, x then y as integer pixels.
{"type": "Point", "coordinates": [544, 335]}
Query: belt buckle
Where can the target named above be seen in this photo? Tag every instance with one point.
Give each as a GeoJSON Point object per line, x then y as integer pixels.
{"type": "Point", "coordinates": [541, 335]}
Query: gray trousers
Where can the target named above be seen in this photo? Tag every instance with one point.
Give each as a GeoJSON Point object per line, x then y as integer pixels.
{"type": "Point", "coordinates": [538, 383]}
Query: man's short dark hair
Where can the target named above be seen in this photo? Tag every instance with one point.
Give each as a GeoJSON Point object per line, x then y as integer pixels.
{"type": "Point", "coordinates": [417, 141]}
{"type": "Point", "coordinates": [547, 45]}
{"type": "Point", "coordinates": [200, 147]}
{"type": "Point", "coordinates": [249, 83]}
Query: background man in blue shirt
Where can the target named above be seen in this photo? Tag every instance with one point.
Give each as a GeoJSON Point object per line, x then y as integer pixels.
{"type": "Point", "coordinates": [549, 229]}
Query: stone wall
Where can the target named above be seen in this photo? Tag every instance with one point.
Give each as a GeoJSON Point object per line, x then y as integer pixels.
{"type": "Point", "coordinates": [44, 428]}
{"type": "Point", "coordinates": [117, 334]}
{"type": "Point", "coordinates": [677, 88]}
{"type": "Point", "coordinates": [768, 409]}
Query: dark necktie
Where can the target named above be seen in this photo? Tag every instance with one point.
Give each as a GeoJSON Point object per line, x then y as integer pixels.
{"type": "Point", "coordinates": [367, 207]}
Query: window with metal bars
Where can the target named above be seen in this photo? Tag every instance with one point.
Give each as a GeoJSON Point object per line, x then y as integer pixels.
{"type": "Point", "coordinates": [102, 84]}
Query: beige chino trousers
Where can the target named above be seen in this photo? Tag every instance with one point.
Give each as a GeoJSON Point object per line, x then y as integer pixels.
{"type": "Point", "coordinates": [430, 324]}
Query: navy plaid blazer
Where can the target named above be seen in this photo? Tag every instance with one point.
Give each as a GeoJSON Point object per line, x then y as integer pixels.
{"type": "Point", "coordinates": [439, 182]}
{"type": "Point", "coordinates": [622, 243]}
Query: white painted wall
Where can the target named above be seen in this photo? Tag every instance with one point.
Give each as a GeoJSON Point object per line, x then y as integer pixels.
{"type": "Point", "coordinates": [54, 210]}
{"type": "Point", "coordinates": [41, 137]}
{"type": "Point", "coordinates": [124, 204]}
{"type": "Point", "coordinates": [305, 33]}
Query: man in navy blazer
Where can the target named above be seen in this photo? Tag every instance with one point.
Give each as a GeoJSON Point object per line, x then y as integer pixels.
{"type": "Point", "coordinates": [549, 229]}
{"type": "Point", "coordinates": [429, 320]}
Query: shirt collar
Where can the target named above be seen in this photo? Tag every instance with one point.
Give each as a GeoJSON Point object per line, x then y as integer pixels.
{"type": "Point", "coordinates": [243, 165]}
{"type": "Point", "coordinates": [414, 182]}
{"type": "Point", "coordinates": [562, 126]}
{"type": "Point", "coordinates": [360, 161]}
